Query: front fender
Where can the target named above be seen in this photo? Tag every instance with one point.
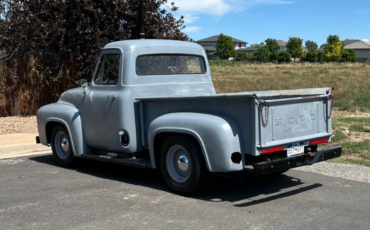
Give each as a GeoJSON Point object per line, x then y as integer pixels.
{"type": "Point", "coordinates": [67, 115]}
{"type": "Point", "coordinates": [218, 137]}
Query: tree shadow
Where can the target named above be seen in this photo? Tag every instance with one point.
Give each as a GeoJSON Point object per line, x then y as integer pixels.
{"type": "Point", "coordinates": [232, 187]}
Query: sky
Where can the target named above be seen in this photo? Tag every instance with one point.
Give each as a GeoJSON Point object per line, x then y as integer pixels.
{"type": "Point", "coordinates": [254, 21]}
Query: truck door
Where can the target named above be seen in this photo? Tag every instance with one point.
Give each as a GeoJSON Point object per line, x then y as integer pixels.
{"type": "Point", "coordinates": [99, 106]}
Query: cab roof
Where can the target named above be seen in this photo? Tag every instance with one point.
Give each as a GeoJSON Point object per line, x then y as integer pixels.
{"type": "Point", "coordinates": [146, 43]}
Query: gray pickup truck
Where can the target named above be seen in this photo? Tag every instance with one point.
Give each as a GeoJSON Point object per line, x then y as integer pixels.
{"type": "Point", "coordinates": [152, 104]}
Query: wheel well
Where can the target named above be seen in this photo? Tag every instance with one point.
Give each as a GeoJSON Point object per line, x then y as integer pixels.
{"type": "Point", "coordinates": [161, 137]}
{"type": "Point", "coordinates": [49, 129]}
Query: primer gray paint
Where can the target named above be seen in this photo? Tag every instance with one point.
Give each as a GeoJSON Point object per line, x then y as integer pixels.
{"type": "Point", "coordinates": [146, 106]}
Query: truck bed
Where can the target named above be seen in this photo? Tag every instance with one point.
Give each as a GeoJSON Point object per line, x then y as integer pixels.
{"type": "Point", "coordinates": [265, 118]}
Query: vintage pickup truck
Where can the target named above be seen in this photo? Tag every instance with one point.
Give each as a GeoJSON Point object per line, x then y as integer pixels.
{"type": "Point", "coordinates": [152, 104]}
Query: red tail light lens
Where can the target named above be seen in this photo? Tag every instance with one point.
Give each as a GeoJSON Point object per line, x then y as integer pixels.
{"type": "Point", "coordinates": [266, 151]}
{"type": "Point", "coordinates": [315, 142]}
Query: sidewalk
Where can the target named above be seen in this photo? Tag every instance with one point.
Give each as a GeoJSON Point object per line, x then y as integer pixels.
{"type": "Point", "coordinates": [20, 145]}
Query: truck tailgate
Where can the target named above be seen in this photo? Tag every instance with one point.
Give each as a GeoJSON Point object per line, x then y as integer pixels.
{"type": "Point", "coordinates": [288, 120]}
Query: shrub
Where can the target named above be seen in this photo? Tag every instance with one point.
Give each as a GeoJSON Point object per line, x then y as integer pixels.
{"type": "Point", "coordinates": [311, 55]}
{"type": "Point", "coordinates": [284, 56]}
{"type": "Point", "coordinates": [262, 54]}
{"type": "Point", "coordinates": [242, 57]}
{"type": "Point", "coordinates": [349, 56]}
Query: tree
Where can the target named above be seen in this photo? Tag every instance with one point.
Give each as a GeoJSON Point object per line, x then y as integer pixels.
{"type": "Point", "coordinates": [192, 40]}
{"type": "Point", "coordinates": [294, 47]}
{"type": "Point", "coordinates": [72, 31]}
{"type": "Point", "coordinates": [349, 56]}
{"type": "Point", "coordinates": [273, 46]}
{"type": "Point", "coordinates": [225, 47]}
{"type": "Point", "coordinates": [242, 57]}
{"type": "Point", "coordinates": [262, 54]}
{"type": "Point", "coordinates": [256, 45]}
{"type": "Point", "coordinates": [207, 52]}
{"type": "Point", "coordinates": [50, 45]}
{"type": "Point", "coordinates": [311, 55]}
{"type": "Point", "coordinates": [333, 48]}
{"type": "Point", "coordinates": [320, 56]}
{"type": "Point", "coordinates": [284, 56]}
{"type": "Point", "coordinates": [311, 45]}
{"type": "Point", "coordinates": [352, 56]}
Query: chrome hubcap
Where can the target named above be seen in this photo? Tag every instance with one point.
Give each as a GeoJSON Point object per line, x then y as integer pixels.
{"type": "Point", "coordinates": [183, 163]}
{"type": "Point", "coordinates": [178, 163]}
{"type": "Point", "coordinates": [61, 143]}
{"type": "Point", "coordinates": [65, 144]}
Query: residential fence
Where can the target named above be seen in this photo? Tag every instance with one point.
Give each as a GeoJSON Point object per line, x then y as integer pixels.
{"type": "Point", "coordinates": [23, 90]}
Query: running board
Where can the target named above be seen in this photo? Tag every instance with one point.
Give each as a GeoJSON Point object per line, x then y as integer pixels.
{"type": "Point", "coordinates": [133, 162]}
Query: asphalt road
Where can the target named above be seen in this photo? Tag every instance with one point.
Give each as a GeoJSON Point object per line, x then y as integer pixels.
{"type": "Point", "coordinates": [37, 194]}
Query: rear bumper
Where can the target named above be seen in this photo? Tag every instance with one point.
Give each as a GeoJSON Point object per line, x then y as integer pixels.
{"type": "Point", "coordinates": [293, 162]}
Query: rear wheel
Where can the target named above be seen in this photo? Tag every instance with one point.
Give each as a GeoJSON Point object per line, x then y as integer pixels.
{"type": "Point", "coordinates": [182, 165]}
{"type": "Point", "coordinates": [61, 146]}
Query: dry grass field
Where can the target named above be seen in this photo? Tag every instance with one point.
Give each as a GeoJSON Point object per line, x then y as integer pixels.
{"type": "Point", "coordinates": [351, 116]}
{"type": "Point", "coordinates": [351, 81]}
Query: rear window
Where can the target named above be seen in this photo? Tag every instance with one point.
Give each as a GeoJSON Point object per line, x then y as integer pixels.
{"type": "Point", "coordinates": [165, 64]}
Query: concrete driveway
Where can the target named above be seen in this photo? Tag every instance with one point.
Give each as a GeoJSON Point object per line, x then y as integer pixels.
{"type": "Point", "coordinates": [20, 144]}
{"type": "Point", "coordinates": [37, 194]}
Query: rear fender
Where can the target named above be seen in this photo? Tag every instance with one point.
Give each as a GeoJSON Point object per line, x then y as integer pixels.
{"type": "Point", "coordinates": [218, 137]}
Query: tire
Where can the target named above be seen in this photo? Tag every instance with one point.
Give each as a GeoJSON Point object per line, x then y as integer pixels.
{"type": "Point", "coordinates": [182, 165]}
{"type": "Point", "coordinates": [61, 147]}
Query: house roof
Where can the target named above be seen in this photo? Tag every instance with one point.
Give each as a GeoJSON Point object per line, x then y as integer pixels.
{"type": "Point", "coordinates": [215, 39]}
{"type": "Point", "coordinates": [347, 42]}
{"type": "Point", "coordinates": [209, 48]}
{"type": "Point", "coordinates": [281, 42]}
{"type": "Point", "coordinates": [356, 45]}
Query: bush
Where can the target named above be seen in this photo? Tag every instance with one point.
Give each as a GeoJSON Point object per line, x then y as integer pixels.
{"type": "Point", "coordinates": [262, 54]}
{"type": "Point", "coordinates": [284, 56]}
{"type": "Point", "coordinates": [311, 56]}
{"type": "Point", "coordinates": [349, 56]}
{"type": "Point", "coordinates": [320, 56]}
{"type": "Point", "coordinates": [242, 57]}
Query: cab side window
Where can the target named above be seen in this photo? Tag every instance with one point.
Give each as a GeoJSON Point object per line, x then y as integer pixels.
{"type": "Point", "coordinates": [108, 70]}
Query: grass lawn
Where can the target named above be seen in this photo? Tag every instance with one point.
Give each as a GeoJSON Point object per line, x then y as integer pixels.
{"type": "Point", "coordinates": [351, 116]}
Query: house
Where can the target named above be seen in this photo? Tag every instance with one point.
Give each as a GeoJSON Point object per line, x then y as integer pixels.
{"type": "Point", "coordinates": [250, 50]}
{"type": "Point", "coordinates": [247, 50]}
{"type": "Point", "coordinates": [210, 44]}
{"type": "Point", "coordinates": [361, 48]}
{"type": "Point", "coordinates": [282, 45]}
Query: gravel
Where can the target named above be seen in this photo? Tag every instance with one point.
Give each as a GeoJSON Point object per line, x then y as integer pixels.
{"type": "Point", "coordinates": [18, 124]}
{"type": "Point", "coordinates": [345, 171]}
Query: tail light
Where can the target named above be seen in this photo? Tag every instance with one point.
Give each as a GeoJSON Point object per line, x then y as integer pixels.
{"type": "Point", "coordinates": [315, 142]}
{"type": "Point", "coordinates": [272, 150]}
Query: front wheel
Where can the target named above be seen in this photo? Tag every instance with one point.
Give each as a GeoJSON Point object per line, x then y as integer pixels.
{"type": "Point", "coordinates": [182, 165]}
{"type": "Point", "coordinates": [61, 147]}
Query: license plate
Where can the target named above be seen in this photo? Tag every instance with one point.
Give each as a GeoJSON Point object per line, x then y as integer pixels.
{"type": "Point", "coordinates": [295, 149]}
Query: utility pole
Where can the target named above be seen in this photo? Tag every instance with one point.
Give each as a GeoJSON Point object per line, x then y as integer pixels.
{"type": "Point", "coordinates": [142, 24]}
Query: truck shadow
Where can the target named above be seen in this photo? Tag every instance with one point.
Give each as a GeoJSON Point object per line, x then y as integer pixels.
{"type": "Point", "coordinates": [243, 188]}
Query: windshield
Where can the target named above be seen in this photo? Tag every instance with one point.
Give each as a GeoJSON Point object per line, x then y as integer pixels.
{"type": "Point", "coordinates": [170, 64]}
